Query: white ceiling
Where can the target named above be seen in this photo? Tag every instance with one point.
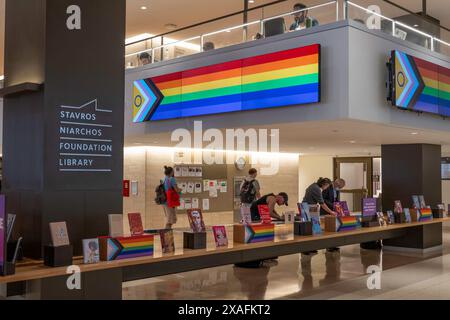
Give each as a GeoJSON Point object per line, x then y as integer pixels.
{"type": "Point", "coordinates": [337, 138]}
{"type": "Point", "coordinates": [182, 13]}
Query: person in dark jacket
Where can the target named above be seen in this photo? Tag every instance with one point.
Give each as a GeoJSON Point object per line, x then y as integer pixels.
{"type": "Point", "coordinates": [332, 194]}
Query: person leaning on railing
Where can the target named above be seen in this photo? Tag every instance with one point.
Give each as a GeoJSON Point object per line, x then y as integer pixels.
{"type": "Point", "coordinates": [302, 20]}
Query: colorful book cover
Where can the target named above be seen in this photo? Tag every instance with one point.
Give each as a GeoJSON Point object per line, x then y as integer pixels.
{"type": "Point", "coordinates": [196, 222]}
{"type": "Point", "coordinates": [246, 216]}
{"type": "Point", "coordinates": [259, 233]}
{"type": "Point", "coordinates": [422, 202]}
{"type": "Point", "coordinates": [167, 241]}
{"type": "Point", "coordinates": [407, 215]}
{"type": "Point", "coordinates": [289, 217]}
{"type": "Point", "coordinates": [91, 251]}
{"type": "Point", "coordinates": [426, 214]}
{"type": "Point", "coordinates": [264, 213]}
{"type": "Point", "coordinates": [369, 207]}
{"type": "Point", "coordinates": [347, 223]}
{"type": "Point", "coordinates": [391, 219]}
{"type": "Point", "coordinates": [126, 247]}
{"type": "Point", "coordinates": [416, 202]}
{"type": "Point", "coordinates": [220, 236]}
{"type": "Point", "coordinates": [59, 234]}
{"type": "Point", "coordinates": [315, 218]}
{"type": "Point", "coordinates": [341, 208]}
{"type": "Point", "coordinates": [398, 206]}
{"type": "Point", "coordinates": [136, 226]}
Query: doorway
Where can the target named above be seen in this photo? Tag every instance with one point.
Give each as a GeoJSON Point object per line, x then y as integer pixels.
{"type": "Point", "coordinates": [358, 174]}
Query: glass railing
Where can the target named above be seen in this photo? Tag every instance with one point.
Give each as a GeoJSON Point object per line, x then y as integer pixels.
{"type": "Point", "coordinates": [398, 22]}
{"type": "Point", "coordinates": [276, 19]}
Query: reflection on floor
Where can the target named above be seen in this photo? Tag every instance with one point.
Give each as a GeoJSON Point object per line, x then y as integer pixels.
{"type": "Point", "coordinates": [324, 276]}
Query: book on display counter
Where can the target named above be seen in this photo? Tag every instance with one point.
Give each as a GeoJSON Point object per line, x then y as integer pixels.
{"type": "Point", "coordinates": [390, 216]}
{"type": "Point", "coordinates": [398, 206]}
{"type": "Point", "coordinates": [91, 251]}
{"type": "Point", "coordinates": [246, 216]}
{"type": "Point", "coordinates": [416, 202]}
{"type": "Point", "coordinates": [115, 224]}
{"type": "Point", "coordinates": [422, 202]}
{"type": "Point", "coordinates": [196, 221]}
{"type": "Point", "coordinates": [220, 236]}
{"type": "Point", "coordinates": [59, 234]}
{"type": "Point", "coordinates": [167, 241]}
{"type": "Point", "coordinates": [314, 213]}
{"type": "Point", "coordinates": [304, 211]}
{"type": "Point", "coordinates": [264, 213]}
{"type": "Point", "coordinates": [407, 215]}
{"type": "Point", "coordinates": [136, 226]}
{"type": "Point", "coordinates": [341, 208]}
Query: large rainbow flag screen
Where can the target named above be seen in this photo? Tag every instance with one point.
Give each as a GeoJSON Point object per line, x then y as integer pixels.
{"type": "Point", "coordinates": [420, 85]}
{"type": "Point", "coordinates": [283, 78]}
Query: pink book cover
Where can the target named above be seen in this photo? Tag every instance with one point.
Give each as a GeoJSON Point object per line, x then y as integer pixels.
{"type": "Point", "coordinates": [264, 213]}
{"type": "Point", "coordinates": [220, 236]}
{"type": "Point", "coordinates": [135, 221]}
{"type": "Point", "coordinates": [398, 206]}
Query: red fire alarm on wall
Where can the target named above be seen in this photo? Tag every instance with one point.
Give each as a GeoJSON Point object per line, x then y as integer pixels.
{"type": "Point", "coordinates": [126, 188]}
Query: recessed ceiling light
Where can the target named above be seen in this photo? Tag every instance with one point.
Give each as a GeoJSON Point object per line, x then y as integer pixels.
{"type": "Point", "coordinates": [414, 133]}
{"type": "Point", "coordinates": [416, 26]}
{"type": "Point", "coordinates": [144, 8]}
{"type": "Point", "coordinates": [352, 141]}
{"type": "Point", "coordinates": [251, 1]}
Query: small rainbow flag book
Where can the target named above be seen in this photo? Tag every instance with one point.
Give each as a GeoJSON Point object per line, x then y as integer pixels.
{"type": "Point", "coordinates": [126, 247]}
{"type": "Point", "coordinates": [426, 214]}
{"type": "Point", "coordinates": [253, 233]}
{"type": "Point", "coordinates": [347, 223]}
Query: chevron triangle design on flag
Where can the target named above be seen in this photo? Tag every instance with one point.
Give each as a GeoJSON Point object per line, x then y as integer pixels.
{"type": "Point", "coordinates": [146, 99]}
{"type": "Point", "coordinates": [409, 85]}
{"type": "Point", "coordinates": [114, 249]}
{"type": "Point", "coordinates": [249, 234]}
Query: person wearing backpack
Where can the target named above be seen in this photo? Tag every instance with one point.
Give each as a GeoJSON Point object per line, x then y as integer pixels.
{"type": "Point", "coordinates": [250, 189]}
{"type": "Point", "coordinates": [168, 195]}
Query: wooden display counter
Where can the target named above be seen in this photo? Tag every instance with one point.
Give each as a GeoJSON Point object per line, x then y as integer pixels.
{"type": "Point", "coordinates": [104, 280]}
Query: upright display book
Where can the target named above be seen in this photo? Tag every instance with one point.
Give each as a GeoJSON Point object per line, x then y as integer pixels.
{"type": "Point", "coordinates": [167, 241]}
{"type": "Point", "coordinates": [136, 226]}
{"type": "Point", "coordinates": [416, 202]}
{"type": "Point", "coordinates": [303, 209]}
{"type": "Point", "coordinates": [407, 215]}
{"type": "Point", "coordinates": [390, 216]}
{"type": "Point", "coordinates": [369, 207]}
{"type": "Point", "coordinates": [220, 236]}
{"type": "Point", "coordinates": [246, 216]}
{"type": "Point", "coordinates": [341, 208]}
{"type": "Point", "coordinates": [196, 221]}
{"type": "Point", "coordinates": [381, 220]}
{"type": "Point", "coordinates": [59, 234]}
{"type": "Point", "coordinates": [426, 214]}
{"type": "Point", "coordinates": [91, 251]}
{"type": "Point", "coordinates": [422, 202]}
{"type": "Point", "coordinates": [115, 223]}
{"type": "Point", "coordinates": [398, 206]}
{"type": "Point", "coordinates": [264, 213]}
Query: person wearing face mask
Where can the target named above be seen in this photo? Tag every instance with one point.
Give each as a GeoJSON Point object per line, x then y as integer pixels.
{"type": "Point", "coordinates": [332, 194]}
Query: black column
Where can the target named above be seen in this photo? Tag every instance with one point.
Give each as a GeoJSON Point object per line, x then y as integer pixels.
{"type": "Point", "coordinates": [63, 135]}
{"type": "Point", "coordinates": [411, 169]}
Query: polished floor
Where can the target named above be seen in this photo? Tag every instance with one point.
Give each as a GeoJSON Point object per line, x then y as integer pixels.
{"type": "Point", "coordinates": [404, 275]}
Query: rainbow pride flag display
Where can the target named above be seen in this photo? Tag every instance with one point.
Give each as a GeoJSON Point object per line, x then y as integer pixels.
{"type": "Point", "coordinates": [126, 247]}
{"type": "Point", "coordinates": [347, 223]}
{"type": "Point", "coordinates": [426, 214]}
{"type": "Point", "coordinates": [421, 85]}
{"type": "Point", "coordinates": [283, 78]}
{"type": "Point", "coordinates": [259, 233]}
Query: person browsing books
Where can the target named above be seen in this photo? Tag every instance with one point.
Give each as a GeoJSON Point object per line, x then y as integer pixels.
{"type": "Point", "coordinates": [332, 194]}
{"type": "Point", "coordinates": [313, 194]}
{"type": "Point", "coordinates": [170, 184]}
{"type": "Point", "coordinates": [250, 188]}
{"type": "Point", "coordinates": [270, 200]}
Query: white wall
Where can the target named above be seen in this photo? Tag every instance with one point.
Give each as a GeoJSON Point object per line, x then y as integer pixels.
{"type": "Point", "coordinates": [312, 168]}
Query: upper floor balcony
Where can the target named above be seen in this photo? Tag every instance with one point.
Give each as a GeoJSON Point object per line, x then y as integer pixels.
{"type": "Point", "coordinates": [227, 31]}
